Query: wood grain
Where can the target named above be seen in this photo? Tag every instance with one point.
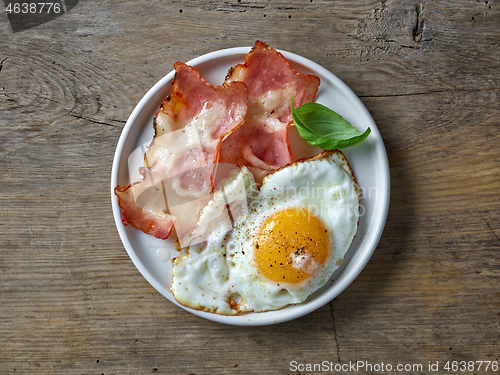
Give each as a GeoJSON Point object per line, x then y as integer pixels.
{"type": "Point", "coordinates": [72, 301]}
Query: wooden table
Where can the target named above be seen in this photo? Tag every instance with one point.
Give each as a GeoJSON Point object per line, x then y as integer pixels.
{"type": "Point", "coordinates": [72, 302]}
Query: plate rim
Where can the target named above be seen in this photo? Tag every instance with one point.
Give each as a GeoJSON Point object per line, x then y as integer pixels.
{"type": "Point", "coordinates": [284, 315]}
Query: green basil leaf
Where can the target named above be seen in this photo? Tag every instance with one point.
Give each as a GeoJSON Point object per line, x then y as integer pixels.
{"type": "Point", "coordinates": [324, 128]}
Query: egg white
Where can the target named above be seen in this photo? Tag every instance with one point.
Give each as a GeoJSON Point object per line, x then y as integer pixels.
{"type": "Point", "coordinates": [221, 274]}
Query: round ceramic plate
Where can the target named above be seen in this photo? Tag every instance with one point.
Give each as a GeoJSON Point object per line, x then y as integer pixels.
{"type": "Point", "coordinates": [368, 160]}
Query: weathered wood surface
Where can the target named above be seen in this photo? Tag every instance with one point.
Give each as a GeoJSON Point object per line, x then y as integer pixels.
{"type": "Point", "coordinates": [72, 302]}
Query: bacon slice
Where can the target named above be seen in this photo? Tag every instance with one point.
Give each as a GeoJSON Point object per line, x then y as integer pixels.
{"type": "Point", "coordinates": [261, 144]}
{"type": "Point", "coordinates": [180, 162]}
{"type": "Point", "coordinates": [153, 221]}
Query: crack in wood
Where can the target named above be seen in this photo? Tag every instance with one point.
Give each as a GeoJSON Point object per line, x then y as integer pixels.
{"type": "Point", "coordinates": [229, 7]}
{"type": "Point", "coordinates": [1, 63]}
{"type": "Point", "coordinates": [418, 29]}
{"type": "Point", "coordinates": [9, 97]}
{"type": "Point", "coordinates": [251, 6]}
{"type": "Point", "coordinates": [335, 333]}
{"type": "Point", "coordinates": [488, 224]}
{"type": "Point", "coordinates": [288, 8]}
{"type": "Point", "coordinates": [98, 122]}
{"type": "Point", "coordinates": [402, 45]}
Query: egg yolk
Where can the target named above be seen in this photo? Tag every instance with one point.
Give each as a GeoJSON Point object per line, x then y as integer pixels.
{"type": "Point", "coordinates": [291, 246]}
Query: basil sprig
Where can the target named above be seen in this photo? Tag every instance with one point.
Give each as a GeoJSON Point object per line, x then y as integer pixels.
{"type": "Point", "coordinates": [324, 128]}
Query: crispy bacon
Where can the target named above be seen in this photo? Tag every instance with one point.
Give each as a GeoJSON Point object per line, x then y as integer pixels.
{"type": "Point", "coordinates": [261, 144]}
{"type": "Point", "coordinates": [194, 120]}
{"type": "Point", "coordinates": [181, 159]}
{"type": "Point", "coordinates": [157, 222]}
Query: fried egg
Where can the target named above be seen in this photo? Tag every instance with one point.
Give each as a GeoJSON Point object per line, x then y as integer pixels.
{"type": "Point", "coordinates": [298, 228]}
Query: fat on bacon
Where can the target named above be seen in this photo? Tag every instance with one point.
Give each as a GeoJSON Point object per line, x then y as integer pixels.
{"type": "Point", "coordinates": [180, 162]}
{"type": "Point", "coordinates": [261, 144]}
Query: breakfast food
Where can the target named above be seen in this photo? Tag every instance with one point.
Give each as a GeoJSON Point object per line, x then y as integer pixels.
{"type": "Point", "coordinates": [267, 233]}
{"type": "Point", "coordinates": [262, 143]}
{"type": "Point", "coordinates": [181, 159]}
{"type": "Point", "coordinates": [300, 225]}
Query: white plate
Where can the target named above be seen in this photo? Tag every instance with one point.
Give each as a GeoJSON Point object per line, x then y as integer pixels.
{"type": "Point", "coordinates": [368, 161]}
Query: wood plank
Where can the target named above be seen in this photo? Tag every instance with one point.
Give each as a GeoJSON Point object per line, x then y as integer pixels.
{"type": "Point", "coordinates": [72, 301]}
